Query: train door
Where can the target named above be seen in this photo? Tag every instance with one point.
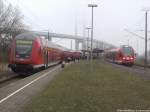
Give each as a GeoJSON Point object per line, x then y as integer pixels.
{"type": "Point", "coordinates": [46, 58]}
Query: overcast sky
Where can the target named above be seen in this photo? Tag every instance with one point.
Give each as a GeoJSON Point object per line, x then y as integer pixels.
{"type": "Point", "coordinates": [111, 17]}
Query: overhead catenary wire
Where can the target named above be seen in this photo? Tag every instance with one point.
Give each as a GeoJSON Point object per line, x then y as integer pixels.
{"type": "Point", "coordinates": [141, 37]}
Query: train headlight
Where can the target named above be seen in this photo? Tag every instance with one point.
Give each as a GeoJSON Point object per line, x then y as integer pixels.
{"type": "Point", "coordinates": [124, 58]}
{"type": "Point", "coordinates": [131, 58]}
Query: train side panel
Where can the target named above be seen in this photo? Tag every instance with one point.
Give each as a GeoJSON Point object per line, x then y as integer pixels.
{"type": "Point", "coordinates": [37, 57]}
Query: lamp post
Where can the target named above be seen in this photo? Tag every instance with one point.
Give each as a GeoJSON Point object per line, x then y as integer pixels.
{"type": "Point", "coordinates": [145, 63]}
{"type": "Point", "coordinates": [92, 6]}
{"type": "Point", "coordinates": [88, 29]}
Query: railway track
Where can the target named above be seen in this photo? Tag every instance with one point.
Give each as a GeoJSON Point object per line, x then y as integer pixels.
{"type": "Point", "coordinates": [135, 66]}
{"type": "Point", "coordinates": [138, 70]}
{"type": "Point", "coordinates": [140, 65]}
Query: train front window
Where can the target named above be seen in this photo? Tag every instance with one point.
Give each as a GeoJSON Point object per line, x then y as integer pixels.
{"type": "Point", "coordinates": [128, 51]}
{"type": "Point", "coordinates": [23, 48]}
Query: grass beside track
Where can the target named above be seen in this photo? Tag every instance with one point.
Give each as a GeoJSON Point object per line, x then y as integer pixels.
{"type": "Point", "coordinates": [106, 89]}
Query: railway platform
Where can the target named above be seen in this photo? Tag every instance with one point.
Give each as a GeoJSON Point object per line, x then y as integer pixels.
{"type": "Point", "coordinates": [15, 94]}
{"type": "Point", "coordinates": [79, 87]}
{"type": "Point", "coordinates": [100, 87]}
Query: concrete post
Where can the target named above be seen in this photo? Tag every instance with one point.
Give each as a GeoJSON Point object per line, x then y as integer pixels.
{"type": "Point", "coordinates": [83, 45]}
{"type": "Point", "coordinates": [76, 44]}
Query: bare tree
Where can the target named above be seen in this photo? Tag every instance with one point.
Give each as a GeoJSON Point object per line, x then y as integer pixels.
{"type": "Point", "coordinates": [10, 18]}
{"type": "Point", "coordinates": [10, 25]}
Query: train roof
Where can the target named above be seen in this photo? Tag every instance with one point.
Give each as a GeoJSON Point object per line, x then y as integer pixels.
{"type": "Point", "coordinates": [119, 48]}
{"type": "Point", "coordinates": [33, 36]}
{"type": "Point", "coordinates": [124, 46]}
{"type": "Point", "coordinates": [53, 45]}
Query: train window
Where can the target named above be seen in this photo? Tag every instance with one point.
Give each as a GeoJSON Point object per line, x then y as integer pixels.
{"type": "Point", "coordinates": [23, 48]}
{"type": "Point", "coordinates": [127, 51]}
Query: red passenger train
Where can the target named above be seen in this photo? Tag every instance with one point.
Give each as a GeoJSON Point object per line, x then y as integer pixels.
{"type": "Point", "coordinates": [77, 55]}
{"type": "Point", "coordinates": [123, 55]}
{"type": "Point", "coordinates": [30, 52]}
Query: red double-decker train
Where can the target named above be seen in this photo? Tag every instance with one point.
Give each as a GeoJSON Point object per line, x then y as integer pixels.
{"type": "Point", "coordinates": [123, 55]}
{"type": "Point", "coordinates": [30, 52]}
